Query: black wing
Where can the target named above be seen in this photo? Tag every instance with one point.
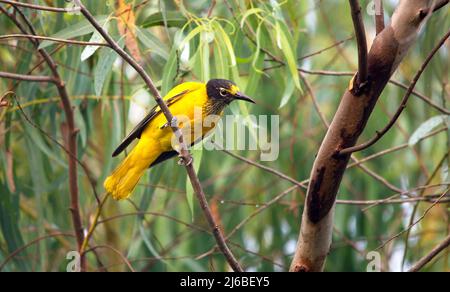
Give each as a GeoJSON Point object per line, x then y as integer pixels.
{"type": "Point", "coordinates": [137, 131]}
{"type": "Point", "coordinates": [169, 154]}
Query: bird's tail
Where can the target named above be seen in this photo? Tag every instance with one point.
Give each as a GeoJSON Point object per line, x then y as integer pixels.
{"type": "Point", "coordinates": [121, 183]}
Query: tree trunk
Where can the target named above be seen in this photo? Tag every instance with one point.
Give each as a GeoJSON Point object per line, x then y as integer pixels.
{"type": "Point", "coordinates": [387, 52]}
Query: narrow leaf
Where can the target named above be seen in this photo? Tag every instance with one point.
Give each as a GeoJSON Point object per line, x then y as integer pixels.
{"type": "Point", "coordinates": [289, 52]}
{"type": "Point", "coordinates": [171, 19]}
{"type": "Point", "coordinates": [96, 38]}
{"type": "Point", "coordinates": [81, 28]}
{"type": "Point", "coordinates": [426, 127]}
{"type": "Point", "coordinates": [152, 43]}
{"type": "Point", "coordinates": [104, 66]}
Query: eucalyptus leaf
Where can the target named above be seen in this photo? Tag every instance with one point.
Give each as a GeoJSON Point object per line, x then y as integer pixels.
{"type": "Point", "coordinates": [285, 41]}
{"type": "Point", "coordinates": [170, 18]}
{"type": "Point", "coordinates": [96, 38]}
{"type": "Point", "coordinates": [426, 128]}
{"type": "Point", "coordinates": [288, 92]}
{"type": "Point", "coordinates": [152, 43]}
{"type": "Point", "coordinates": [104, 66]}
{"type": "Point", "coordinates": [170, 71]}
{"type": "Point", "coordinates": [81, 28]}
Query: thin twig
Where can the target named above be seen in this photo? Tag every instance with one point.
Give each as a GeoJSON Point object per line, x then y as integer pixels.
{"type": "Point", "coordinates": [116, 251]}
{"type": "Point", "coordinates": [156, 214]}
{"type": "Point", "coordinates": [93, 224]}
{"type": "Point", "coordinates": [266, 168]}
{"type": "Point", "coordinates": [392, 81]}
{"type": "Point", "coordinates": [435, 8]}
{"type": "Point", "coordinates": [211, 8]}
{"type": "Point", "coordinates": [416, 206]}
{"type": "Point", "coordinates": [21, 249]}
{"type": "Point", "coordinates": [396, 148]}
{"type": "Point", "coordinates": [314, 99]}
{"type": "Point", "coordinates": [29, 78]}
{"type": "Point", "coordinates": [325, 49]}
{"type": "Point", "coordinates": [429, 199]}
{"type": "Point", "coordinates": [415, 222]}
{"type": "Point", "coordinates": [430, 256]}
{"type": "Point", "coordinates": [39, 7]}
{"type": "Point", "coordinates": [250, 217]}
{"type": "Point", "coordinates": [405, 99]}
{"type": "Point", "coordinates": [184, 152]}
{"type": "Point", "coordinates": [424, 98]}
{"type": "Point", "coordinates": [58, 40]}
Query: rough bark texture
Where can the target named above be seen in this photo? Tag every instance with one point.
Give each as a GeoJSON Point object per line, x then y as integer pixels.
{"type": "Point", "coordinates": [388, 50]}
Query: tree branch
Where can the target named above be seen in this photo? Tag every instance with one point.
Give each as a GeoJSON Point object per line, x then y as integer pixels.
{"type": "Point", "coordinates": [428, 198]}
{"type": "Point", "coordinates": [402, 106]}
{"type": "Point", "coordinates": [429, 257]}
{"type": "Point", "coordinates": [58, 40]}
{"type": "Point", "coordinates": [39, 7]}
{"type": "Point", "coordinates": [360, 33]}
{"type": "Point", "coordinates": [387, 52]}
{"type": "Point", "coordinates": [184, 152]}
{"type": "Point", "coordinates": [29, 78]}
{"type": "Point", "coordinates": [424, 12]}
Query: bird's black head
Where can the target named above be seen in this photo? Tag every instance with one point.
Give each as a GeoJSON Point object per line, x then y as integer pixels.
{"type": "Point", "coordinates": [225, 90]}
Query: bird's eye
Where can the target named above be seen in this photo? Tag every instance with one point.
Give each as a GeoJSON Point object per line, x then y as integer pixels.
{"type": "Point", "coordinates": [223, 92]}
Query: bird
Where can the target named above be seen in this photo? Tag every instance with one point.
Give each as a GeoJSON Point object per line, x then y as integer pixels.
{"type": "Point", "coordinates": [155, 134]}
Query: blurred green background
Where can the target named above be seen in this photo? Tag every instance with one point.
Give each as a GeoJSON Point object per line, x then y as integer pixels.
{"type": "Point", "coordinates": [180, 41]}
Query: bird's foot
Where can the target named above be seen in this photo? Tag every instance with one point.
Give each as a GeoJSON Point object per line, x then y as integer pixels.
{"type": "Point", "coordinates": [173, 123]}
{"type": "Point", "coordinates": [183, 162]}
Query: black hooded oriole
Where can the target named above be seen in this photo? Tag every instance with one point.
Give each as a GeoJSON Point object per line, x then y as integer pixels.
{"type": "Point", "coordinates": [155, 136]}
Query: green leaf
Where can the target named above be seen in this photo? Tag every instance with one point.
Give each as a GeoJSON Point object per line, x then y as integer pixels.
{"type": "Point", "coordinates": [9, 224]}
{"type": "Point", "coordinates": [40, 144]}
{"type": "Point", "coordinates": [288, 92]}
{"type": "Point", "coordinates": [148, 243]}
{"type": "Point", "coordinates": [170, 69]}
{"type": "Point", "coordinates": [285, 42]}
{"type": "Point", "coordinates": [204, 56]}
{"type": "Point", "coordinates": [96, 38]}
{"type": "Point", "coordinates": [81, 125]}
{"type": "Point", "coordinates": [152, 43]}
{"type": "Point", "coordinates": [249, 12]}
{"type": "Point", "coordinates": [220, 61]}
{"type": "Point", "coordinates": [255, 75]}
{"type": "Point", "coordinates": [170, 18]}
{"type": "Point", "coordinates": [190, 36]}
{"type": "Point", "coordinates": [258, 62]}
{"type": "Point", "coordinates": [104, 66]}
{"type": "Point", "coordinates": [426, 128]}
{"type": "Point", "coordinates": [225, 40]}
{"type": "Point", "coordinates": [81, 28]}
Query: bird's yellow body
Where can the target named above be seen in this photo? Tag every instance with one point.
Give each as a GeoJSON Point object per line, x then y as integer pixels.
{"type": "Point", "coordinates": [190, 102]}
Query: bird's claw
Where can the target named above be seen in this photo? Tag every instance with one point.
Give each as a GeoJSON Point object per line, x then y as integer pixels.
{"type": "Point", "coordinates": [172, 123]}
{"type": "Point", "coordinates": [183, 162]}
